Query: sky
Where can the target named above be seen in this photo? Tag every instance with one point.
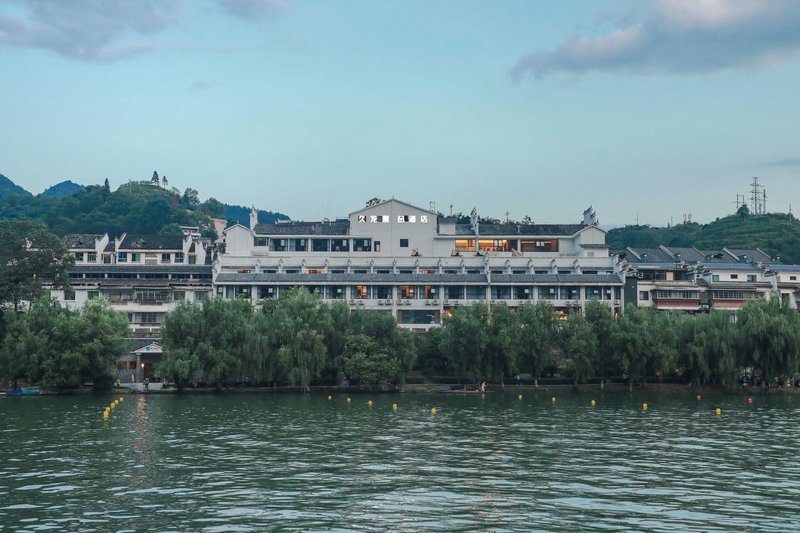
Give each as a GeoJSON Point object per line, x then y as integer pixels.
{"type": "Point", "coordinates": [645, 109]}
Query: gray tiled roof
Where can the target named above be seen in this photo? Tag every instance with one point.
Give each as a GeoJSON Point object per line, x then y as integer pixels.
{"type": "Point", "coordinates": [650, 255]}
{"type": "Point", "coordinates": [151, 242]}
{"type": "Point", "coordinates": [80, 241]}
{"type": "Point", "coordinates": [349, 278]}
{"type": "Point", "coordinates": [311, 279]}
{"type": "Point", "coordinates": [304, 228]}
{"type": "Point", "coordinates": [690, 255]}
{"type": "Point", "coordinates": [141, 269]}
{"type": "Point", "coordinates": [785, 268]}
{"type": "Point", "coordinates": [731, 266]}
{"type": "Point", "coordinates": [752, 254]}
{"type": "Point", "coordinates": [533, 230]}
{"type": "Point", "coordinates": [133, 282]}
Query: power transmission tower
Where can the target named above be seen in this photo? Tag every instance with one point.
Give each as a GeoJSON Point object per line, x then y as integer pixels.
{"type": "Point", "coordinates": [755, 197]}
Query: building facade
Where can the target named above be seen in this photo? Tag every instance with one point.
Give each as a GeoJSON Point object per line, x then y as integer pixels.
{"type": "Point", "coordinates": [142, 276]}
{"type": "Point", "coordinates": [399, 258]}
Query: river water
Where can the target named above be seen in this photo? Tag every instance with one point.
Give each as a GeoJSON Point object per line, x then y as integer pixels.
{"type": "Point", "coordinates": [236, 462]}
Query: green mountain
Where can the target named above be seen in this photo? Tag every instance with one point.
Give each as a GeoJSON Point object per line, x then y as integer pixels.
{"type": "Point", "coordinates": [778, 234]}
{"type": "Point", "coordinates": [9, 188]}
{"type": "Point", "coordinates": [60, 190]}
{"type": "Point", "coordinates": [237, 214]}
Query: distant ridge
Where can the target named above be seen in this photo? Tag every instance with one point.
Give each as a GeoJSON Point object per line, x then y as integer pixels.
{"type": "Point", "coordinates": [241, 215]}
{"type": "Point", "coordinates": [9, 188]}
{"type": "Point", "coordinates": [60, 190]}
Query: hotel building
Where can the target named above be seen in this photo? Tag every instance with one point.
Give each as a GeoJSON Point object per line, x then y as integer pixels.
{"type": "Point", "coordinates": [399, 258]}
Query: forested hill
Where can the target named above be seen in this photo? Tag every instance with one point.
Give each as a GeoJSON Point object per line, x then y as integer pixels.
{"type": "Point", "coordinates": [777, 234]}
{"type": "Point", "coordinates": [142, 207]}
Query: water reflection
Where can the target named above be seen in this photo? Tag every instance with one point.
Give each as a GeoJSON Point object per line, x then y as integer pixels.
{"type": "Point", "coordinates": [252, 463]}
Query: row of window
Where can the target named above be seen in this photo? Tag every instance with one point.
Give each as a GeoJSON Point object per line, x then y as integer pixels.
{"type": "Point", "coordinates": [751, 278]}
{"type": "Point", "coordinates": [427, 292]}
{"type": "Point", "coordinates": [368, 245]}
{"type": "Point", "coordinates": [151, 258]}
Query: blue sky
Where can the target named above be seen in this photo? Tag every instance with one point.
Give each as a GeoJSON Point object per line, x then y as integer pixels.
{"type": "Point", "coordinates": [640, 108]}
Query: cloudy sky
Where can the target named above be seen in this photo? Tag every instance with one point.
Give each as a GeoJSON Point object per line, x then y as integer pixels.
{"type": "Point", "coordinates": [640, 108]}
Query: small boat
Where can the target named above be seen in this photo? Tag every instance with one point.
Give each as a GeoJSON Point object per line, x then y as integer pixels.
{"type": "Point", "coordinates": [25, 391]}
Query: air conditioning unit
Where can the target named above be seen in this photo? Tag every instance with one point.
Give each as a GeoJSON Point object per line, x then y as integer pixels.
{"type": "Point", "coordinates": [380, 302]}
{"type": "Point", "coordinates": [447, 302]}
{"type": "Point", "coordinates": [436, 302]}
{"type": "Point", "coordinates": [408, 302]}
{"type": "Point", "coordinates": [389, 301]}
{"type": "Point", "coordinates": [352, 301]}
{"type": "Point", "coordinates": [427, 302]}
{"type": "Point", "coordinates": [399, 300]}
{"type": "Point", "coordinates": [361, 302]}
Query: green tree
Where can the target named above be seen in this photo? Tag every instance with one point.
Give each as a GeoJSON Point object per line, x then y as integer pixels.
{"type": "Point", "coordinates": [366, 363]}
{"type": "Point", "coordinates": [646, 342]}
{"type": "Point", "coordinates": [30, 256]}
{"type": "Point", "coordinates": [191, 198]}
{"type": "Point", "coordinates": [536, 337]}
{"type": "Point", "coordinates": [55, 347]}
{"type": "Point", "coordinates": [397, 343]}
{"type": "Point", "coordinates": [500, 359]}
{"type": "Point", "coordinates": [464, 340]}
{"type": "Point", "coordinates": [579, 345]}
{"type": "Point", "coordinates": [602, 323]}
{"type": "Point", "coordinates": [214, 208]}
{"type": "Point", "coordinates": [305, 327]}
{"type": "Point", "coordinates": [768, 333]}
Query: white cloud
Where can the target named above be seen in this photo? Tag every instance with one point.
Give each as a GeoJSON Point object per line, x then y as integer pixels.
{"type": "Point", "coordinates": [250, 10]}
{"type": "Point", "coordinates": [88, 30]}
{"type": "Point", "coordinates": [680, 36]}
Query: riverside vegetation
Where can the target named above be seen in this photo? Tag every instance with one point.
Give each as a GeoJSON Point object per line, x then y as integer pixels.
{"type": "Point", "coordinates": [301, 340]}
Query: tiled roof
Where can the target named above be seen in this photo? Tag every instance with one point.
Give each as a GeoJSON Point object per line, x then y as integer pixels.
{"type": "Point", "coordinates": [151, 242]}
{"type": "Point", "coordinates": [141, 269]}
{"type": "Point", "coordinates": [80, 241]}
{"type": "Point", "coordinates": [751, 254]}
{"type": "Point", "coordinates": [650, 255]}
{"type": "Point", "coordinates": [542, 230]}
{"type": "Point", "coordinates": [304, 228]}
{"type": "Point", "coordinates": [731, 266]}
{"type": "Point", "coordinates": [689, 255]}
{"type": "Point", "coordinates": [312, 279]}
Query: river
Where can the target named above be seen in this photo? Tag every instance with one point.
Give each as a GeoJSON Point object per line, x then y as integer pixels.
{"type": "Point", "coordinates": [247, 462]}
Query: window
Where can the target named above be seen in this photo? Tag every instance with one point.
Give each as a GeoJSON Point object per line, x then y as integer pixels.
{"type": "Point", "coordinates": [715, 277]}
{"type": "Point", "coordinates": [106, 259]}
{"type": "Point", "coordinates": [136, 257]}
{"type": "Point", "coordinates": [644, 296]}
{"type": "Point", "coordinates": [179, 257]}
{"type": "Point", "coordinates": [494, 245]}
{"type": "Point", "coordinates": [465, 245]}
{"type": "Point", "coordinates": [403, 243]}
{"type": "Point", "coordinates": [539, 246]}
{"type": "Point", "coordinates": [91, 257]}
{"type": "Point", "coordinates": [69, 294]}
{"type": "Point", "coordinates": [734, 276]}
{"type": "Point", "coordinates": [377, 246]}
{"type": "Point", "coordinates": [320, 245]}
{"type": "Point", "coordinates": [406, 291]}
{"type": "Point", "coordinates": [93, 295]}
{"type": "Point", "coordinates": [165, 258]}
{"type": "Point", "coordinates": [298, 245]}
{"type": "Point", "coordinates": [792, 278]}
{"type": "Point", "coordinates": [78, 256]}
{"type": "Point", "coordinates": [277, 245]}
{"type": "Point", "coordinates": [359, 292]}
{"type": "Point", "coordinates": [259, 241]}
{"type": "Point", "coordinates": [192, 259]}
{"type": "Point", "coordinates": [362, 245]}
{"type": "Point", "coordinates": [340, 245]}
{"type": "Point", "coordinates": [122, 257]}
{"type": "Point", "coordinates": [751, 278]}
{"type": "Point", "coordinates": [148, 318]}
{"type": "Point", "coordinates": [179, 296]}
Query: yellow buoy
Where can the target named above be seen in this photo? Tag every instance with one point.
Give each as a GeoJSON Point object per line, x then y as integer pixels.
{"type": "Point", "coordinates": [553, 399]}
{"type": "Point", "coordinates": [105, 414]}
{"type": "Point", "coordinates": [112, 406]}
{"type": "Point", "coordinates": [369, 403]}
{"type": "Point", "coordinates": [121, 398]}
{"type": "Point", "coordinates": [718, 411]}
{"type": "Point", "coordinates": [519, 397]}
{"type": "Point", "coordinates": [644, 407]}
{"type": "Point", "coordinates": [433, 410]}
{"type": "Point", "coordinates": [329, 397]}
{"type": "Point", "coordinates": [594, 403]}
{"type": "Point", "coordinates": [348, 399]}
{"type": "Point", "coordinates": [394, 407]}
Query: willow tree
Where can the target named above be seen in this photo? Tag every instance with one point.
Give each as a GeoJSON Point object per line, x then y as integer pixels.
{"type": "Point", "coordinates": [500, 360]}
{"type": "Point", "coordinates": [602, 324]}
{"type": "Point", "coordinates": [303, 334]}
{"type": "Point", "coordinates": [768, 332]}
{"type": "Point", "coordinates": [464, 339]}
{"type": "Point", "coordinates": [536, 337]}
{"type": "Point", "coordinates": [579, 345]}
{"type": "Point", "coordinates": [646, 342]}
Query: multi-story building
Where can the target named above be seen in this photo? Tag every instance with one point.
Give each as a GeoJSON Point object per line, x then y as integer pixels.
{"type": "Point", "coordinates": [692, 280]}
{"type": "Point", "coordinates": [142, 276]}
{"type": "Point", "coordinates": [417, 265]}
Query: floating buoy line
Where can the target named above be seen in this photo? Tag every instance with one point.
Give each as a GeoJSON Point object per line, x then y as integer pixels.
{"type": "Point", "coordinates": [113, 405]}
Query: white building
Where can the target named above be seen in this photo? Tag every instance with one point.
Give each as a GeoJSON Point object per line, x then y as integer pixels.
{"type": "Point", "coordinates": [396, 257]}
